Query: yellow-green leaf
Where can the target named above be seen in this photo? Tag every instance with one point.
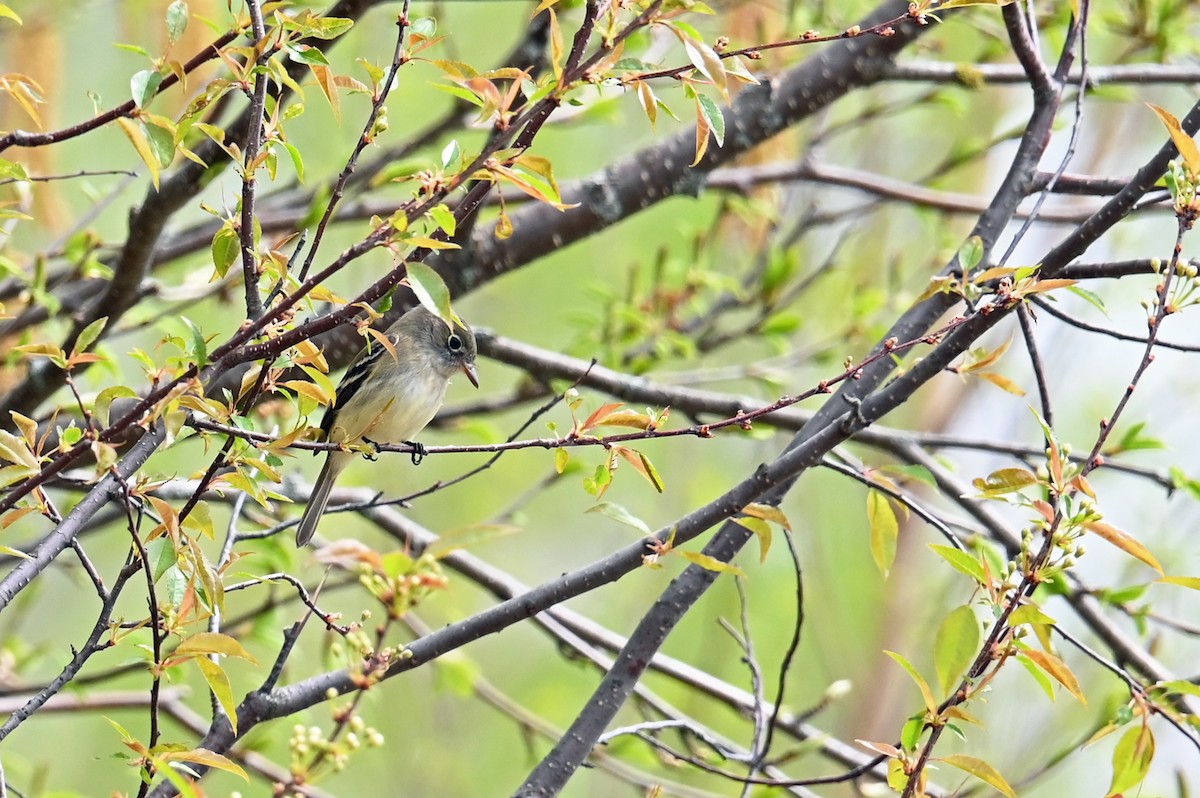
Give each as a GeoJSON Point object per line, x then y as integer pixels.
{"type": "Point", "coordinates": [709, 563]}
{"type": "Point", "coordinates": [980, 770]}
{"type": "Point", "coordinates": [1029, 613]}
{"type": "Point", "coordinates": [926, 693]}
{"type": "Point", "coordinates": [137, 136]}
{"type": "Point", "coordinates": [1192, 582]}
{"type": "Point", "coordinates": [204, 643]}
{"type": "Point", "coordinates": [768, 513]}
{"type": "Point", "coordinates": [955, 647]}
{"type": "Point", "coordinates": [1005, 480]}
{"type": "Point", "coordinates": [884, 531]}
{"type": "Point", "coordinates": [961, 561]}
{"type": "Point", "coordinates": [202, 756]}
{"type": "Point", "coordinates": [761, 530]}
{"type": "Point", "coordinates": [1132, 758]}
{"type": "Point", "coordinates": [218, 682]}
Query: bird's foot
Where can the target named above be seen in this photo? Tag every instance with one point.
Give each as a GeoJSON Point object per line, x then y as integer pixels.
{"type": "Point", "coordinates": [372, 455]}
{"type": "Point", "coordinates": [418, 453]}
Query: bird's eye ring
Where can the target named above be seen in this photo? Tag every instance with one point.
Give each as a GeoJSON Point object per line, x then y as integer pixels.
{"type": "Point", "coordinates": [454, 343]}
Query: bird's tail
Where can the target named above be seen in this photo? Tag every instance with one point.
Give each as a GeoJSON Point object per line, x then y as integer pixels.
{"type": "Point", "coordinates": [320, 497]}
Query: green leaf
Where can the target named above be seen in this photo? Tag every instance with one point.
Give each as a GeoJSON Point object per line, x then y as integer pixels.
{"type": "Point", "coordinates": [105, 399]}
{"type": "Point", "coordinates": [444, 218]}
{"type": "Point", "coordinates": [226, 247]}
{"type": "Point", "coordinates": [561, 458]}
{"type": "Point", "coordinates": [8, 13]}
{"type": "Point", "coordinates": [980, 770]}
{"type": "Point", "coordinates": [177, 20]}
{"type": "Point", "coordinates": [884, 531]}
{"type": "Point", "coordinates": [955, 647]}
{"type": "Point", "coordinates": [160, 555]}
{"type": "Point", "coordinates": [89, 334]}
{"type": "Point", "coordinates": [961, 561]}
{"type": "Point", "coordinates": [971, 254]}
{"type": "Point", "coordinates": [620, 515]}
{"type": "Point", "coordinates": [1088, 296]}
{"type": "Point", "coordinates": [144, 85]}
{"type": "Point", "coordinates": [926, 693]}
{"type": "Point", "coordinates": [1131, 758]}
{"type": "Point", "coordinates": [431, 291]}
{"type": "Point", "coordinates": [297, 159]}
{"type": "Point", "coordinates": [199, 348]}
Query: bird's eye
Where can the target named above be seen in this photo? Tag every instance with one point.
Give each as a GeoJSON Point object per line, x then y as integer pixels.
{"type": "Point", "coordinates": [454, 343]}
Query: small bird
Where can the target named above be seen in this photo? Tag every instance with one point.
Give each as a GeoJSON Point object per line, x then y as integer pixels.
{"type": "Point", "coordinates": [386, 399]}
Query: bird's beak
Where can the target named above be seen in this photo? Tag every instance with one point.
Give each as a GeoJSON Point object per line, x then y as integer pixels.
{"type": "Point", "coordinates": [472, 375]}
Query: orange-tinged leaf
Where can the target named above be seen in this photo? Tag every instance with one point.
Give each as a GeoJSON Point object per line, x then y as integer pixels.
{"type": "Point", "coordinates": [385, 342]}
{"type": "Point", "coordinates": [1183, 142]}
{"type": "Point", "coordinates": [599, 415]}
{"type": "Point", "coordinates": [886, 749]}
{"type": "Point", "coordinates": [702, 131]}
{"type": "Point", "coordinates": [1001, 382]}
{"type": "Point", "coordinates": [1058, 670]}
{"type": "Point", "coordinates": [642, 465]}
{"type": "Point", "coordinates": [980, 770]}
{"type": "Point", "coordinates": [325, 79]}
{"type": "Point", "coordinates": [1123, 541]}
{"type": "Point", "coordinates": [648, 100]}
{"type": "Point", "coordinates": [308, 353]}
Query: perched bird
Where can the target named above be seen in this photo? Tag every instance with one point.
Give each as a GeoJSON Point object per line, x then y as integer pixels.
{"type": "Point", "coordinates": [386, 399]}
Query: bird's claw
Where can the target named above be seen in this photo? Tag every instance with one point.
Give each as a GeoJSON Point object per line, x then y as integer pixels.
{"type": "Point", "coordinates": [418, 453]}
{"type": "Point", "coordinates": [372, 455]}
